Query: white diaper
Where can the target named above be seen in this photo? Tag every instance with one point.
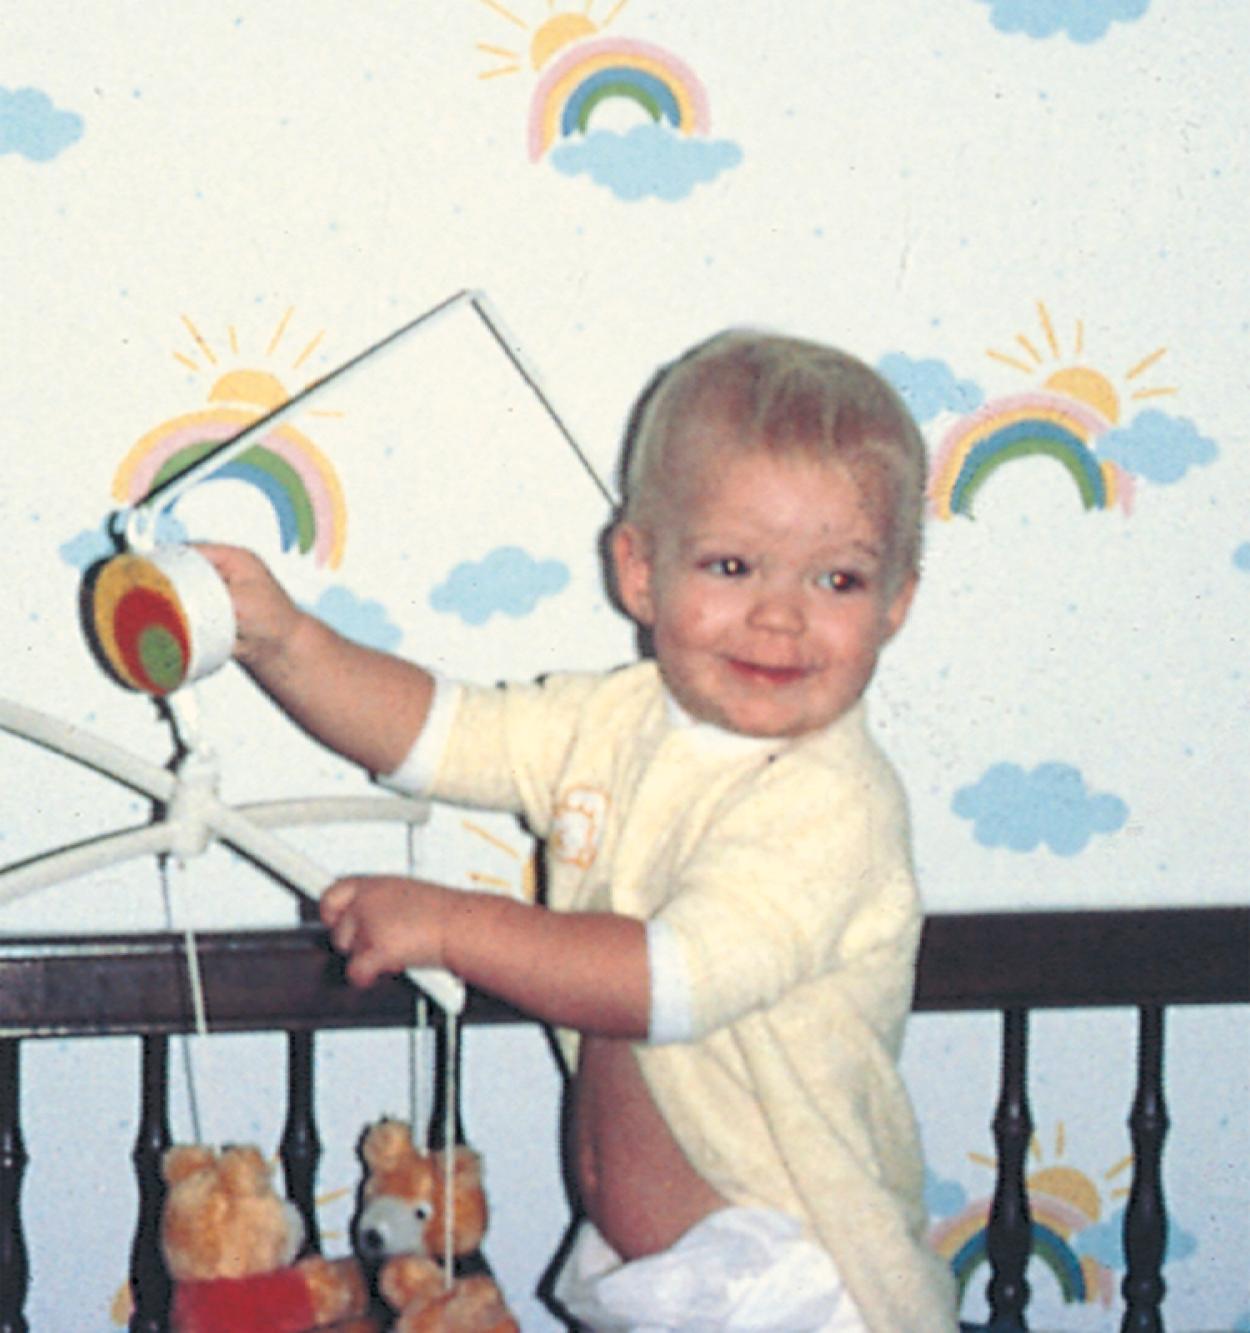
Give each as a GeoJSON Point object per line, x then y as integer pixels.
{"type": "Point", "coordinates": [740, 1270]}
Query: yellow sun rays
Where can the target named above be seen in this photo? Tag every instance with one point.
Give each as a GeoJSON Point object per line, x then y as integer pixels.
{"type": "Point", "coordinates": [260, 387]}
{"type": "Point", "coordinates": [1062, 1181]}
{"type": "Point", "coordinates": [560, 28]}
{"type": "Point", "coordinates": [528, 869]}
{"type": "Point", "coordinates": [1077, 380]}
{"type": "Point", "coordinates": [1120, 1191]}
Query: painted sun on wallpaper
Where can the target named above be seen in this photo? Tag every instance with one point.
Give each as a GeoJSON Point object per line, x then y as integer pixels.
{"type": "Point", "coordinates": [291, 472]}
{"type": "Point", "coordinates": [1101, 437]}
{"type": "Point", "coordinates": [1074, 413]}
{"type": "Point", "coordinates": [628, 113]}
{"type": "Point", "coordinates": [1078, 1224]}
{"type": "Point", "coordinates": [294, 476]}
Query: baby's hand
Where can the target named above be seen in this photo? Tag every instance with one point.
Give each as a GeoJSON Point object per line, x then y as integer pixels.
{"type": "Point", "coordinates": [265, 617]}
{"type": "Point", "coordinates": [385, 924]}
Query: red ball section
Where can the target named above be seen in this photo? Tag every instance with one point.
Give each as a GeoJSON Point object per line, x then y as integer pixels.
{"type": "Point", "coordinates": [141, 626]}
{"type": "Point", "coordinates": [152, 640]}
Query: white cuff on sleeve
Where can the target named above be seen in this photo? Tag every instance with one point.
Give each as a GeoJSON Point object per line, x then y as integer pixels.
{"type": "Point", "coordinates": [671, 1010]}
{"type": "Point", "coordinates": [416, 771]}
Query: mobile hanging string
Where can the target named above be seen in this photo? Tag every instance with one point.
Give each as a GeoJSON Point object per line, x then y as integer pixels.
{"type": "Point", "coordinates": [163, 618]}
{"type": "Point", "coordinates": [421, 1106]}
{"type": "Point", "coordinates": [451, 1023]}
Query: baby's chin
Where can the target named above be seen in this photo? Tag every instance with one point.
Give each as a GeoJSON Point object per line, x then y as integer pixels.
{"type": "Point", "coordinates": [753, 723]}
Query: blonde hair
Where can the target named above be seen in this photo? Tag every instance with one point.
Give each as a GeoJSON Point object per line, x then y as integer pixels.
{"type": "Point", "coordinates": [785, 396]}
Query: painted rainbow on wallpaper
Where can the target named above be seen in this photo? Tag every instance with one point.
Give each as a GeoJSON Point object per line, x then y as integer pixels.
{"type": "Point", "coordinates": [594, 72]}
{"type": "Point", "coordinates": [1026, 425]}
{"type": "Point", "coordinates": [961, 1240]}
{"type": "Point", "coordinates": [285, 466]}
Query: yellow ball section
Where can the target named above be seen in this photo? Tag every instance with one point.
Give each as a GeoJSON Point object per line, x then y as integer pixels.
{"type": "Point", "coordinates": [141, 625]}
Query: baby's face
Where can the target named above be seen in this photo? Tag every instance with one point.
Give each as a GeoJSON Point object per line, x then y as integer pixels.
{"type": "Point", "coordinates": [769, 588]}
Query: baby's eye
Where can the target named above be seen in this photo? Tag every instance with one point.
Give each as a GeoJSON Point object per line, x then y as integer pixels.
{"type": "Point", "coordinates": [727, 566]}
{"type": "Point", "coordinates": [841, 580]}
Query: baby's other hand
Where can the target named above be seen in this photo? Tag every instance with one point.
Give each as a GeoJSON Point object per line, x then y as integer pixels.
{"type": "Point", "coordinates": [265, 616]}
{"type": "Point", "coordinates": [384, 924]}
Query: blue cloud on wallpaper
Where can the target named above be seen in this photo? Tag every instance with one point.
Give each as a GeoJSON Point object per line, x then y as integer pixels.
{"type": "Point", "coordinates": [1081, 20]}
{"type": "Point", "coordinates": [87, 548]}
{"type": "Point", "coordinates": [508, 580]}
{"type": "Point", "coordinates": [357, 618]}
{"type": "Point", "coordinates": [929, 387]}
{"type": "Point", "coordinates": [1018, 810]}
{"type": "Point", "coordinates": [1073, 414]}
{"type": "Point", "coordinates": [32, 126]}
{"type": "Point", "coordinates": [632, 115]}
{"type": "Point", "coordinates": [1241, 557]}
{"type": "Point", "coordinates": [648, 161]}
{"type": "Point", "coordinates": [943, 1198]}
{"type": "Point", "coordinates": [92, 545]}
{"type": "Point", "coordinates": [1156, 446]}
{"type": "Point", "coordinates": [1104, 1241]}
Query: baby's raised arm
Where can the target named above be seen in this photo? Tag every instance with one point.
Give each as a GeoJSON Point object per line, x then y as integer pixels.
{"type": "Point", "coordinates": [367, 705]}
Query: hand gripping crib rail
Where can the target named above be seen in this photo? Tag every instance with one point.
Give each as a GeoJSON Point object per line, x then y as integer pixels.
{"type": "Point", "coordinates": [290, 981]}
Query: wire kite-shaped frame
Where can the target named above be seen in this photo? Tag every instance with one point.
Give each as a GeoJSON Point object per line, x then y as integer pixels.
{"type": "Point", "coordinates": [194, 815]}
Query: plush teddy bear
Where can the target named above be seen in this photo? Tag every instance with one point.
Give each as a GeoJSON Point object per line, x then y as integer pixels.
{"type": "Point", "coordinates": [230, 1245]}
{"type": "Point", "coordinates": [403, 1225]}
{"type": "Point", "coordinates": [416, 1289]}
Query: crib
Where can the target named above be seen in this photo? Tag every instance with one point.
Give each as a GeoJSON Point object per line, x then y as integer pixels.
{"type": "Point", "coordinates": [289, 981]}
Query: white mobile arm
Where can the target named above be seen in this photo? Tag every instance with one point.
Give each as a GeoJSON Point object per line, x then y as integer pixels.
{"type": "Point", "coordinates": [196, 816]}
{"type": "Point", "coordinates": [139, 525]}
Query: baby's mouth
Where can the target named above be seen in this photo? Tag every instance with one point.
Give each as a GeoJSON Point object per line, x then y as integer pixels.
{"type": "Point", "coordinates": [767, 675]}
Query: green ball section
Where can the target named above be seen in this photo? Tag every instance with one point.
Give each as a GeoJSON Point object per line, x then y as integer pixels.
{"type": "Point", "coordinates": [161, 656]}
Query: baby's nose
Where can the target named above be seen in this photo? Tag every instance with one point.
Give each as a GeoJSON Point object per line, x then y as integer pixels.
{"type": "Point", "coordinates": [779, 608]}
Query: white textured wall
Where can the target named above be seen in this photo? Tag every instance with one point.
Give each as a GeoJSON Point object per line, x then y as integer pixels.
{"type": "Point", "coordinates": [987, 198]}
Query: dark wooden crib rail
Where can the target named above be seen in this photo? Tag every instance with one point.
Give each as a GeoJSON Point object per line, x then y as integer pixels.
{"type": "Point", "coordinates": [286, 980]}
{"type": "Point", "coordinates": [1018, 962]}
{"type": "Point", "coordinates": [289, 980]}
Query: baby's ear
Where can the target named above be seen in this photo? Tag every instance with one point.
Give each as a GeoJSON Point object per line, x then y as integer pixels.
{"type": "Point", "coordinates": [899, 606]}
{"type": "Point", "coordinates": [632, 569]}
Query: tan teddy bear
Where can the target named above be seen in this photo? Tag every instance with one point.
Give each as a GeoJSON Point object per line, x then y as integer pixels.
{"type": "Point", "coordinates": [230, 1244]}
{"type": "Point", "coordinates": [403, 1224]}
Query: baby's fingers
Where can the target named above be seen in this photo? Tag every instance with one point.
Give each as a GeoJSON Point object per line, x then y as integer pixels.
{"type": "Point", "coordinates": [231, 562]}
{"type": "Point", "coordinates": [336, 900]}
{"type": "Point", "coordinates": [366, 965]}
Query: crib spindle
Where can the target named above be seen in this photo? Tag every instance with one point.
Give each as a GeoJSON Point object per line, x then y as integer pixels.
{"type": "Point", "coordinates": [1145, 1219]}
{"type": "Point", "coordinates": [444, 1096]}
{"type": "Point", "coordinates": [14, 1270]}
{"type": "Point", "coordinates": [301, 1144]}
{"type": "Point", "coordinates": [149, 1280]}
{"type": "Point", "coordinates": [1009, 1235]}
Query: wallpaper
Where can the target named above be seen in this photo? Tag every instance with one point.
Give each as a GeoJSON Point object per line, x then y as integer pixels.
{"type": "Point", "coordinates": [1029, 215]}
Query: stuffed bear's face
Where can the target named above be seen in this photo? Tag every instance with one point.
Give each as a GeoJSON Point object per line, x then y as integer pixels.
{"type": "Point", "coordinates": [404, 1195]}
{"type": "Point", "coordinates": [222, 1217]}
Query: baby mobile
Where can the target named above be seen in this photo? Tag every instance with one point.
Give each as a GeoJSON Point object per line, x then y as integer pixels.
{"type": "Point", "coordinates": [161, 619]}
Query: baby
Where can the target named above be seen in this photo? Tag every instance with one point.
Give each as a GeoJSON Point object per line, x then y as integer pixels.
{"type": "Point", "coordinates": [728, 935]}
